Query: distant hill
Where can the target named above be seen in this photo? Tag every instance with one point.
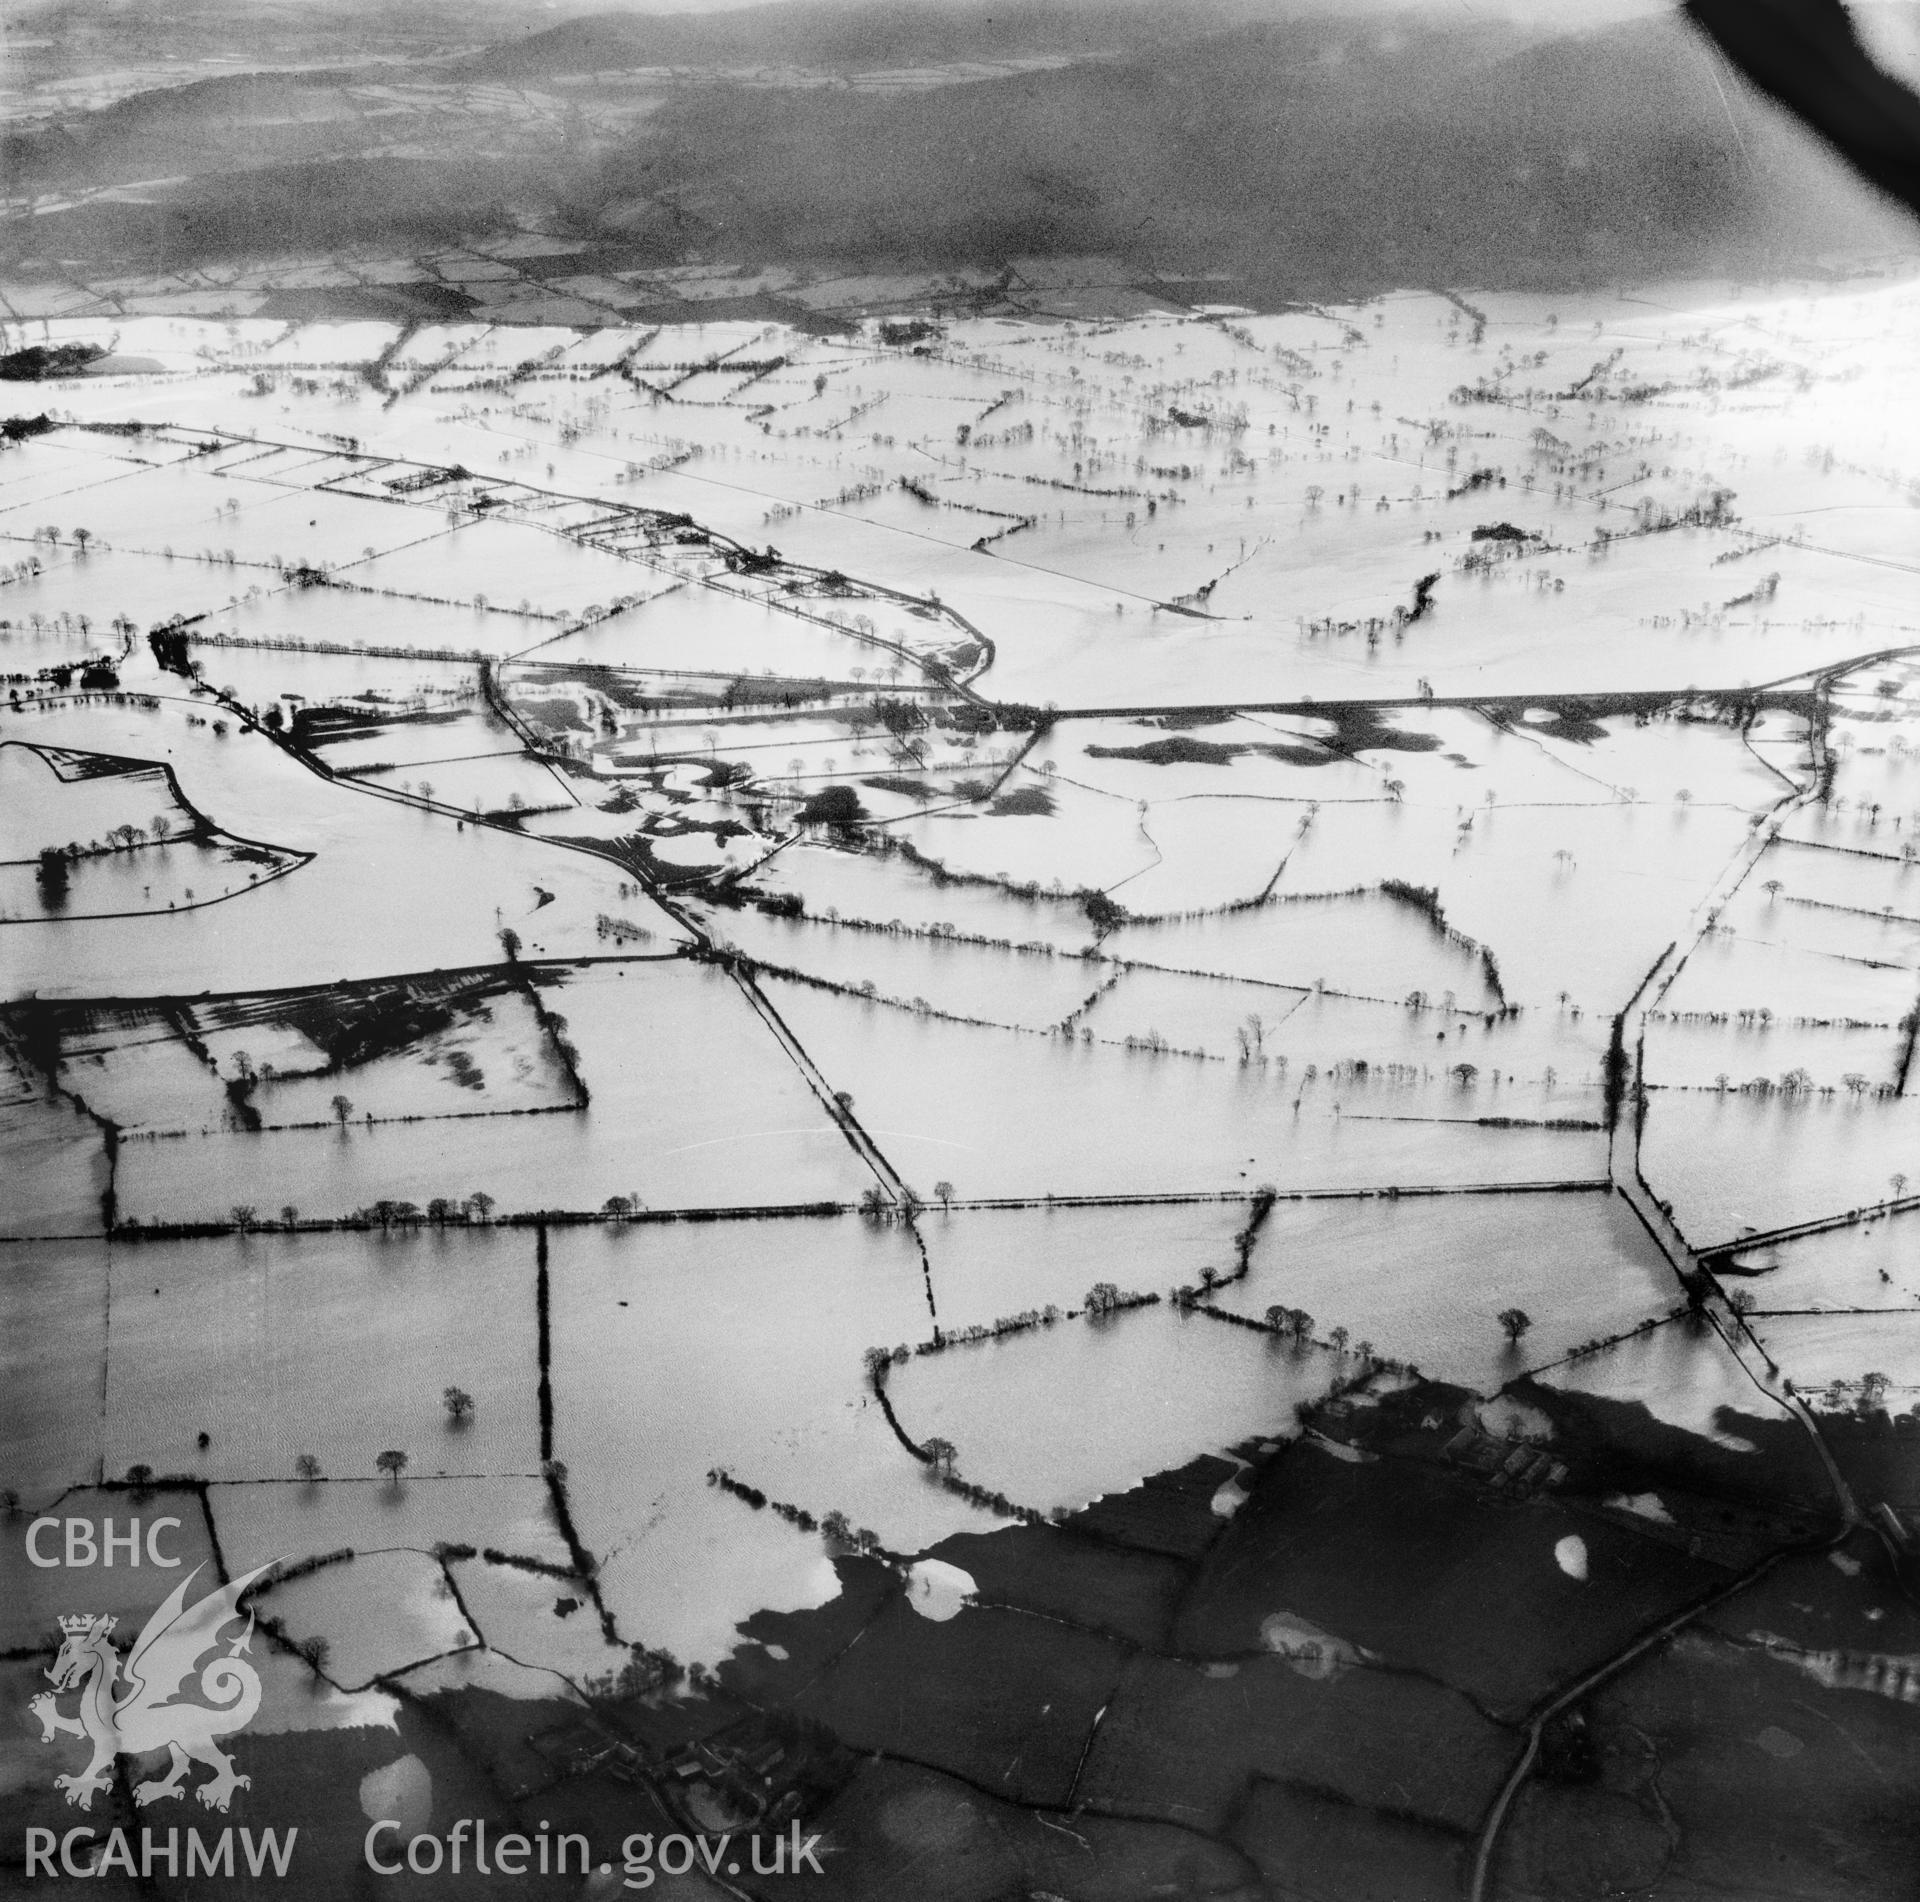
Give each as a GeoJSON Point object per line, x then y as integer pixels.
{"type": "Point", "coordinates": [1312, 157]}
{"type": "Point", "coordinates": [853, 35]}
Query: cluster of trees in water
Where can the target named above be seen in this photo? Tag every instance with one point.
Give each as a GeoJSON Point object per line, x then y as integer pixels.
{"type": "Point", "coordinates": [441, 1212]}
{"type": "Point", "coordinates": [1866, 1398]}
{"type": "Point", "coordinates": [54, 864]}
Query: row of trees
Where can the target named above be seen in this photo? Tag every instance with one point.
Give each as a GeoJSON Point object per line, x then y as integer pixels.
{"type": "Point", "coordinates": [1297, 1324]}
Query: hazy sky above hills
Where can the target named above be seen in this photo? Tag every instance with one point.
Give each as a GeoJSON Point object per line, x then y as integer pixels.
{"type": "Point", "coordinates": [1891, 28]}
{"type": "Point", "coordinates": [1570, 15]}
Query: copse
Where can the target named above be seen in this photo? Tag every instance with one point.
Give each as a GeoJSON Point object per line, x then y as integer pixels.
{"type": "Point", "coordinates": [833, 806]}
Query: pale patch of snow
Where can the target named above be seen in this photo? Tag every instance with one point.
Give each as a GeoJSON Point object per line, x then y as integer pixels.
{"type": "Point", "coordinates": [1645, 1505]}
{"type": "Point", "coordinates": [938, 1590]}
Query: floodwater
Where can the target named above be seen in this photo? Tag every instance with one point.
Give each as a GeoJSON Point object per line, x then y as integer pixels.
{"type": "Point", "coordinates": [337, 1345]}
{"type": "Point", "coordinates": [1058, 1416]}
{"type": "Point", "coordinates": [717, 1115]}
{"type": "Point", "coordinates": [733, 1344]}
{"type": "Point", "coordinates": [1426, 1279]}
{"type": "Point", "coordinates": [681, 1348]}
{"type": "Point", "coordinates": [53, 1359]}
{"type": "Point", "coordinates": [990, 1263]}
{"type": "Point", "coordinates": [1681, 1374]}
{"type": "Point", "coordinates": [388, 889]}
{"type": "Point", "coordinates": [1733, 1163]}
{"type": "Point", "coordinates": [1873, 1264]}
{"type": "Point", "coordinates": [1001, 1114]}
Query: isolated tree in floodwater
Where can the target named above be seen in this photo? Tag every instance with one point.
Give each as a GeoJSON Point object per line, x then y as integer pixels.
{"type": "Point", "coordinates": [943, 1192]}
{"type": "Point", "coordinates": [306, 1467]}
{"type": "Point", "coordinates": [458, 1403]}
{"type": "Point", "coordinates": [941, 1454]}
{"type": "Point", "coordinates": [392, 1462]}
{"type": "Point", "coordinates": [342, 1109]}
{"type": "Point", "coordinates": [53, 876]}
{"type": "Point", "coordinates": [510, 942]}
{"type": "Point", "coordinates": [1514, 1322]}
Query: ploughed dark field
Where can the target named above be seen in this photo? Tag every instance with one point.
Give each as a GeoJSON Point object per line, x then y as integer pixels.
{"type": "Point", "coordinates": [1144, 1698]}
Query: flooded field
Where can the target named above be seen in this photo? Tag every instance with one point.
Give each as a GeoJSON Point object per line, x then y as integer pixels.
{"type": "Point", "coordinates": [272, 1319]}
{"type": "Point", "coordinates": [1003, 1114]}
{"type": "Point", "coordinates": [1579, 1266]}
{"type": "Point", "coordinates": [1061, 1416]}
{"type": "Point", "coordinates": [1871, 1265]}
{"type": "Point", "coordinates": [587, 913]}
{"type": "Point", "coordinates": [1873, 1356]}
{"type": "Point", "coordinates": [646, 1325]}
{"type": "Point", "coordinates": [55, 1349]}
{"type": "Point", "coordinates": [308, 1519]}
{"type": "Point", "coordinates": [1027, 988]}
{"type": "Point", "coordinates": [717, 1116]}
{"type": "Point", "coordinates": [1682, 1374]}
{"type": "Point", "coordinates": [375, 893]}
{"type": "Point", "coordinates": [990, 1263]}
{"type": "Point", "coordinates": [1740, 1163]}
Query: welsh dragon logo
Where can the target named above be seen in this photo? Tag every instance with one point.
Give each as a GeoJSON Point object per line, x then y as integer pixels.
{"type": "Point", "coordinates": [155, 1712]}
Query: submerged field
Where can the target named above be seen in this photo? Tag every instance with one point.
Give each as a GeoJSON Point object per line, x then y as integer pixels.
{"type": "Point", "coordinates": [1198, 1029]}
